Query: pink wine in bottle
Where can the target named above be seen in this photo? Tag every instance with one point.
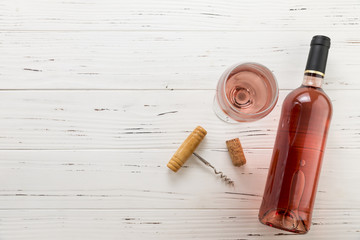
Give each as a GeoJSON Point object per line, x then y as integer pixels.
{"type": "Point", "coordinates": [299, 147]}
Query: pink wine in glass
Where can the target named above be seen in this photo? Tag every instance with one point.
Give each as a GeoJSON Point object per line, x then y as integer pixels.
{"type": "Point", "coordinates": [294, 171]}
{"type": "Point", "coordinates": [245, 92]}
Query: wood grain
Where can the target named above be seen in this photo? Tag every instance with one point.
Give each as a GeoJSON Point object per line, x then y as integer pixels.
{"type": "Point", "coordinates": [133, 179]}
{"type": "Point", "coordinates": [86, 128]}
{"type": "Point", "coordinates": [145, 120]}
{"type": "Point", "coordinates": [160, 224]}
{"type": "Point", "coordinates": [255, 15]}
{"type": "Point", "coordinates": [164, 60]}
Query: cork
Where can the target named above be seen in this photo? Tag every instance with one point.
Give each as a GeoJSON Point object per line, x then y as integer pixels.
{"type": "Point", "coordinates": [186, 149]}
{"type": "Point", "coordinates": [236, 152]}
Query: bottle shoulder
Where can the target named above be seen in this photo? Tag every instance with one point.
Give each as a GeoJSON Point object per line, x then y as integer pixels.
{"type": "Point", "coordinates": [305, 95]}
{"type": "Point", "coordinates": [302, 93]}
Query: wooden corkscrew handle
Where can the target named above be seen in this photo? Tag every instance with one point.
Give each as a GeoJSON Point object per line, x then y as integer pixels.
{"type": "Point", "coordinates": [186, 148]}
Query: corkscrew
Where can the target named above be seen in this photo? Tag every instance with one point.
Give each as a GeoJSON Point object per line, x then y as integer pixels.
{"type": "Point", "coordinates": [222, 175]}
{"type": "Point", "coordinates": [187, 148]}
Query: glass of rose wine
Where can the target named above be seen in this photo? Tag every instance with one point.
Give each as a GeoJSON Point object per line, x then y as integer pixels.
{"type": "Point", "coordinates": [245, 92]}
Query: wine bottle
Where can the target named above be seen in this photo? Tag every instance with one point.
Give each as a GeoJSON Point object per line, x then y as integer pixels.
{"type": "Point", "coordinates": [293, 175]}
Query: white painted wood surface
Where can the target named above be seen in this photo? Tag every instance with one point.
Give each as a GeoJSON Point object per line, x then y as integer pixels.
{"type": "Point", "coordinates": [181, 15]}
{"type": "Point", "coordinates": [165, 224]}
{"type": "Point", "coordinates": [164, 60]}
{"type": "Point", "coordinates": [145, 120]}
{"type": "Point", "coordinates": [112, 179]}
{"type": "Point", "coordinates": [97, 95]}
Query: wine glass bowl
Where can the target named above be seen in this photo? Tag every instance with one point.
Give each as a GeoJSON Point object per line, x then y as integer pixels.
{"type": "Point", "coordinates": [245, 92]}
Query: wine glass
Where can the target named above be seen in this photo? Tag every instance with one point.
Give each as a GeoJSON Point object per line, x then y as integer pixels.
{"type": "Point", "coordinates": [245, 92]}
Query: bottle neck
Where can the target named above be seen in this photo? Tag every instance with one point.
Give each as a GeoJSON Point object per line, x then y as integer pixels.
{"type": "Point", "coordinates": [313, 80]}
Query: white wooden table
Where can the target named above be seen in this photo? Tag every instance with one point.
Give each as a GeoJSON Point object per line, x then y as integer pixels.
{"type": "Point", "coordinates": [97, 95]}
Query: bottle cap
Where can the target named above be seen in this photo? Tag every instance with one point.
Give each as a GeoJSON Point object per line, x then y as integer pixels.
{"type": "Point", "coordinates": [318, 54]}
{"type": "Point", "coordinates": [320, 40]}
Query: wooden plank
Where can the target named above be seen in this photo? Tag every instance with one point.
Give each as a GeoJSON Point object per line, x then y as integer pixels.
{"type": "Point", "coordinates": [164, 60]}
{"type": "Point", "coordinates": [162, 224]}
{"type": "Point", "coordinates": [251, 15]}
{"type": "Point", "coordinates": [145, 119]}
{"type": "Point", "coordinates": [132, 179]}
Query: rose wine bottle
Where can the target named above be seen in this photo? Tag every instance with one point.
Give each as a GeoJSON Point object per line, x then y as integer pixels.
{"type": "Point", "coordinates": [299, 147]}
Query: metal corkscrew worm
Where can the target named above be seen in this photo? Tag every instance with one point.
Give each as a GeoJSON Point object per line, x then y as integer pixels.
{"type": "Point", "coordinates": [222, 175]}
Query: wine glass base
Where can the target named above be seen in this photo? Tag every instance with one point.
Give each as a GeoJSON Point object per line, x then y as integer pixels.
{"type": "Point", "coordinates": [221, 114]}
